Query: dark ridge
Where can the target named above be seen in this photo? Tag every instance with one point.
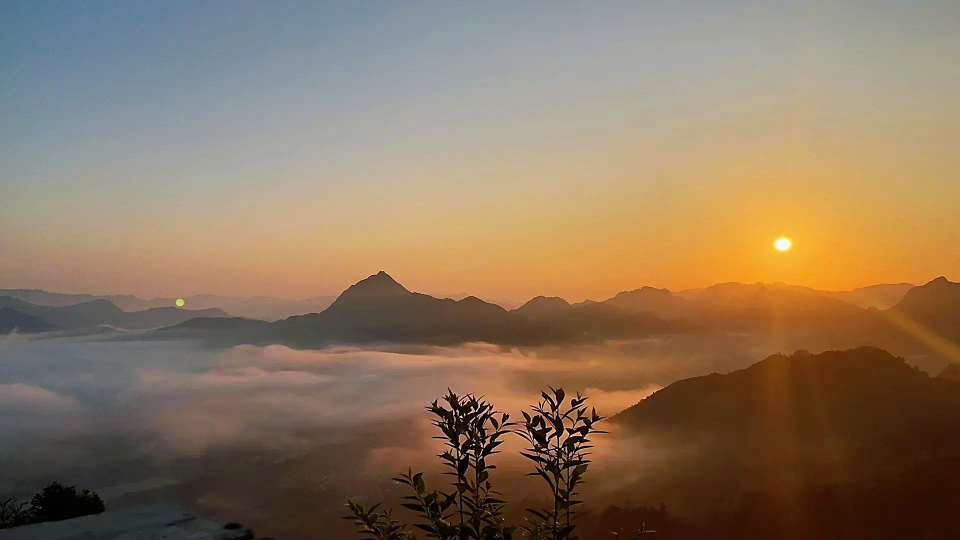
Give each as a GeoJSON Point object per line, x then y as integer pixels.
{"type": "Point", "coordinates": [542, 305]}
{"type": "Point", "coordinates": [13, 320]}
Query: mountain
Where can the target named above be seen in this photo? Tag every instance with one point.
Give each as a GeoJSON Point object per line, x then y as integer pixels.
{"type": "Point", "coordinates": [380, 309]}
{"type": "Point", "coordinates": [543, 305]}
{"type": "Point", "coordinates": [880, 296]}
{"type": "Point", "coordinates": [258, 307]}
{"type": "Point", "coordinates": [102, 312]}
{"type": "Point", "coordinates": [952, 372]}
{"type": "Point", "coordinates": [126, 302]}
{"type": "Point", "coordinates": [925, 324]}
{"type": "Point", "coordinates": [13, 320]}
{"type": "Point", "coordinates": [90, 313]}
{"type": "Point", "coordinates": [835, 415]}
{"type": "Point", "coordinates": [222, 323]}
{"type": "Point", "coordinates": [813, 445]}
{"type": "Point", "coordinates": [864, 390]}
{"type": "Point", "coordinates": [722, 293]}
{"type": "Point", "coordinates": [816, 321]}
{"type": "Point", "coordinates": [375, 288]}
{"type": "Point", "coordinates": [165, 316]}
{"type": "Point", "coordinates": [935, 305]}
{"type": "Point", "coordinates": [506, 304]}
{"type": "Point", "coordinates": [661, 302]}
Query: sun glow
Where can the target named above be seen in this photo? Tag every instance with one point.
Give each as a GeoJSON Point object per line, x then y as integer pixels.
{"type": "Point", "coordinates": [782, 244]}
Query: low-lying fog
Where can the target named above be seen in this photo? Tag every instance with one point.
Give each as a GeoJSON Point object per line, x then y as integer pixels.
{"type": "Point", "coordinates": [276, 437]}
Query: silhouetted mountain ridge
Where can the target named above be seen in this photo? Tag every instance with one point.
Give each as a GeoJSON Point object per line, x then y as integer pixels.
{"type": "Point", "coordinates": [952, 372]}
{"type": "Point", "coordinates": [378, 308]}
{"type": "Point", "coordinates": [103, 312]}
{"type": "Point", "coordinates": [543, 305]}
{"type": "Point", "coordinates": [858, 395]}
{"type": "Point", "coordinates": [936, 302]}
{"type": "Point", "coordinates": [650, 299]}
{"type": "Point", "coordinates": [809, 440]}
{"type": "Point", "coordinates": [259, 307]}
{"type": "Point", "coordinates": [12, 320]}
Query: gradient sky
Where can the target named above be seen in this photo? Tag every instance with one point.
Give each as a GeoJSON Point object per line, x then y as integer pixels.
{"type": "Point", "coordinates": [502, 149]}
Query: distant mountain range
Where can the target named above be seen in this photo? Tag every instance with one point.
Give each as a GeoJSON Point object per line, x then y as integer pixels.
{"type": "Point", "coordinates": [27, 317]}
{"type": "Point", "coordinates": [661, 302]}
{"type": "Point", "coordinates": [923, 324]}
{"type": "Point", "coordinates": [257, 307]}
{"type": "Point", "coordinates": [12, 320]}
{"type": "Point", "coordinates": [724, 297]}
{"type": "Point", "coordinates": [380, 309]}
{"type": "Point", "coordinates": [876, 296]}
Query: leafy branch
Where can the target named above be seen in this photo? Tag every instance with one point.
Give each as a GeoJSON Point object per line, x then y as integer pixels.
{"type": "Point", "coordinates": [559, 438]}
{"type": "Point", "coordinates": [472, 431]}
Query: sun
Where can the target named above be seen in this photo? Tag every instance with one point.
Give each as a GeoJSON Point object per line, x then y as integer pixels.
{"type": "Point", "coordinates": [180, 302]}
{"type": "Point", "coordinates": [782, 244]}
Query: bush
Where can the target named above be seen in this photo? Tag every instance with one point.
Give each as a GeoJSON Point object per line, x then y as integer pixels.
{"type": "Point", "coordinates": [54, 502]}
{"type": "Point", "coordinates": [559, 441]}
{"type": "Point", "coordinates": [14, 513]}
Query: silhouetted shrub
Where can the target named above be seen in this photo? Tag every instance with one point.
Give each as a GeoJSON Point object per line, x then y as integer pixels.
{"type": "Point", "coordinates": [559, 443]}
{"type": "Point", "coordinates": [54, 502]}
{"type": "Point", "coordinates": [14, 513]}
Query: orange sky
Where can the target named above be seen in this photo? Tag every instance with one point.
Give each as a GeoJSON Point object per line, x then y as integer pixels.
{"type": "Point", "coordinates": [565, 152]}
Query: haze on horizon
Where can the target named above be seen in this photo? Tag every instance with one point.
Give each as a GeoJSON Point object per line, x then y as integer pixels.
{"type": "Point", "coordinates": [290, 150]}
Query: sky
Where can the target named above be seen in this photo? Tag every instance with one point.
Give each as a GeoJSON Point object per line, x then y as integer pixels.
{"type": "Point", "coordinates": [502, 149]}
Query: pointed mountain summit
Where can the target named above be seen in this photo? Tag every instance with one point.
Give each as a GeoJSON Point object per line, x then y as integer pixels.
{"type": "Point", "coordinates": [377, 285]}
{"type": "Point", "coordinates": [372, 290]}
{"type": "Point", "coordinates": [379, 308]}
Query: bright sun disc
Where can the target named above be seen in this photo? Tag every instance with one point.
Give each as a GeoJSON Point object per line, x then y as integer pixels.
{"type": "Point", "coordinates": [783, 243]}
{"type": "Point", "coordinates": [180, 302]}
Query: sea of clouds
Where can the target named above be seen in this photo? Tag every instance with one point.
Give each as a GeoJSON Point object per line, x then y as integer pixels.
{"type": "Point", "coordinates": [109, 413]}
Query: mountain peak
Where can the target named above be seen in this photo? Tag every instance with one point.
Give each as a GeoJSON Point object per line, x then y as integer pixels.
{"type": "Point", "coordinates": [939, 293]}
{"type": "Point", "coordinates": [739, 399]}
{"type": "Point", "coordinates": [952, 372]}
{"type": "Point", "coordinates": [376, 286]}
{"type": "Point", "coordinates": [542, 305]}
{"type": "Point", "coordinates": [648, 299]}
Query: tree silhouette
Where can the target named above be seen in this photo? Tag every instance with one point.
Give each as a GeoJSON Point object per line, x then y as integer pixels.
{"type": "Point", "coordinates": [472, 430]}
{"type": "Point", "coordinates": [56, 502]}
